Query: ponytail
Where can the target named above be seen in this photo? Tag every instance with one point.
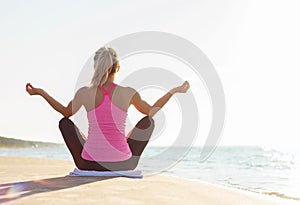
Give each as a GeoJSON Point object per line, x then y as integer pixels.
{"type": "Point", "coordinates": [105, 63]}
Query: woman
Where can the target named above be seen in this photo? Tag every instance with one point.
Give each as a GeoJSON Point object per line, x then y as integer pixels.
{"type": "Point", "coordinates": [106, 147]}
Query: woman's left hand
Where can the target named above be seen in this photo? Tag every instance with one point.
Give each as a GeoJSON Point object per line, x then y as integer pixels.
{"type": "Point", "coordinates": [32, 90]}
{"type": "Point", "coordinates": [183, 88]}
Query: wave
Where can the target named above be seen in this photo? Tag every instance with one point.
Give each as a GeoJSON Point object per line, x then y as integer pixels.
{"type": "Point", "coordinates": [281, 195]}
{"type": "Point", "coordinates": [271, 193]}
{"type": "Point", "coordinates": [17, 143]}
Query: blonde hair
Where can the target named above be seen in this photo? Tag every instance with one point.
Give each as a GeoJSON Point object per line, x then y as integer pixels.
{"type": "Point", "coordinates": [105, 63]}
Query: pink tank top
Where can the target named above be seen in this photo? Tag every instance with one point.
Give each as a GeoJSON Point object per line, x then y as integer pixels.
{"type": "Point", "coordinates": [106, 140]}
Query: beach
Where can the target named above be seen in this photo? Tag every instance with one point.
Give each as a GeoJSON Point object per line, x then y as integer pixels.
{"type": "Point", "coordinates": [26, 180]}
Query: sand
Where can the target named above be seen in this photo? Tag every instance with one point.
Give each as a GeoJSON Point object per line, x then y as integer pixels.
{"type": "Point", "coordinates": [45, 181]}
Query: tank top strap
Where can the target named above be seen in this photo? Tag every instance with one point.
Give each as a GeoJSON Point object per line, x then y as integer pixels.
{"type": "Point", "coordinates": [112, 85]}
{"type": "Point", "coordinates": [107, 92]}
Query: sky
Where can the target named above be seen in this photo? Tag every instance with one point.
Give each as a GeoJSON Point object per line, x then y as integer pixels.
{"type": "Point", "coordinates": [252, 44]}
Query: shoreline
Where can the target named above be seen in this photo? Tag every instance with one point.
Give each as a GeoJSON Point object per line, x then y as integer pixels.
{"type": "Point", "coordinates": [273, 195]}
{"type": "Point", "coordinates": [274, 198]}
{"type": "Point", "coordinates": [35, 180]}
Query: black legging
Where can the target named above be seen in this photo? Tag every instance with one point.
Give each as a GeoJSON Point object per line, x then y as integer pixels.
{"type": "Point", "coordinates": [138, 139]}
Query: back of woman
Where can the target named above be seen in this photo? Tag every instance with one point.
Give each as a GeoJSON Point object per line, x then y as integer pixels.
{"type": "Point", "coordinates": [107, 122]}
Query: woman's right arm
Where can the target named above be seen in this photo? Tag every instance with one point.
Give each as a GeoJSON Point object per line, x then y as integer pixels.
{"type": "Point", "coordinates": [68, 111]}
{"type": "Point", "coordinates": [149, 110]}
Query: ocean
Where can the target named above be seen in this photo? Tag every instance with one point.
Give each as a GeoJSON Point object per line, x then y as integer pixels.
{"type": "Point", "coordinates": [256, 169]}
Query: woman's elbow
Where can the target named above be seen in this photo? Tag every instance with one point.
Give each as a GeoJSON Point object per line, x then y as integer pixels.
{"type": "Point", "coordinates": [66, 113]}
{"type": "Point", "coordinates": [153, 111]}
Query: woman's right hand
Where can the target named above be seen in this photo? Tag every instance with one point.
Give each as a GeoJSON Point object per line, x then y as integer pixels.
{"type": "Point", "coordinates": [32, 90]}
{"type": "Point", "coordinates": [183, 88]}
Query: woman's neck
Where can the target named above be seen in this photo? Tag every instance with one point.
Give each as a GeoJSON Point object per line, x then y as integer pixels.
{"type": "Point", "coordinates": [109, 80]}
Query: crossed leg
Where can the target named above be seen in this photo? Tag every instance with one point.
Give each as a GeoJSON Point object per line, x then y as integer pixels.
{"type": "Point", "coordinates": [137, 141]}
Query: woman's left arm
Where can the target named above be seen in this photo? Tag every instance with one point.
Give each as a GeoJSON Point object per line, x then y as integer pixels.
{"type": "Point", "coordinates": [68, 111]}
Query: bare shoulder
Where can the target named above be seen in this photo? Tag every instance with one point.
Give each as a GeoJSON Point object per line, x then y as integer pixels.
{"type": "Point", "coordinates": [84, 93]}
{"type": "Point", "coordinates": [83, 90]}
{"type": "Point", "coordinates": [127, 90]}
